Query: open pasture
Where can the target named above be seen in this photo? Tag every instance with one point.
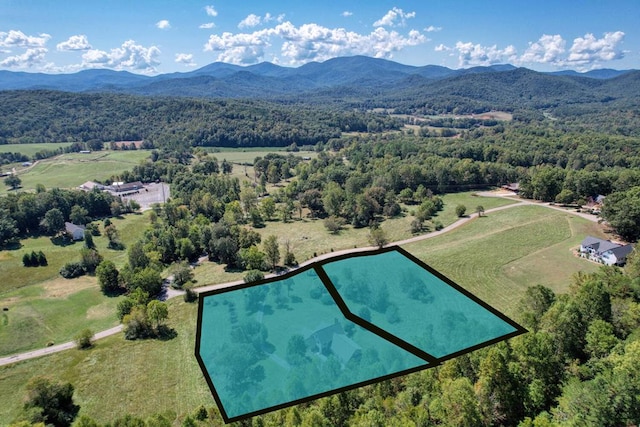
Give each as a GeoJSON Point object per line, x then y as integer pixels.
{"type": "Point", "coordinates": [31, 149]}
{"type": "Point", "coordinates": [72, 169]}
{"type": "Point", "coordinates": [498, 256]}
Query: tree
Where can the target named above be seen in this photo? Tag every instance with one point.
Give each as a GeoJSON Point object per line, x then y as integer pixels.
{"type": "Point", "coordinates": [41, 259]}
{"type": "Point", "coordinates": [147, 279]}
{"type": "Point", "coordinates": [622, 211]}
{"type": "Point", "coordinates": [227, 167]}
{"type": "Point", "coordinates": [271, 251]}
{"type": "Point", "coordinates": [90, 259]}
{"type": "Point", "coordinates": [53, 221]}
{"type": "Point", "coordinates": [84, 339]}
{"type": "Point", "coordinates": [114, 236]}
{"type": "Point", "coordinates": [157, 312]}
{"type": "Point", "coordinates": [460, 210]}
{"type": "Point", "coordinates": [79, 215]}
{"type": "Point", "coordinates": [182, 274]}
{"type": "Point", "coordinates": [252, 258]}
{"type": "Point", "coordinates": [268, 207]}
{"type": "Point", "coordinates": [296, 349]}
{"type": "Point", "coordinates": [480, 210]}
{"type": "Point", "coordinates": [88, 240]}
{"type": "Point", "coordinates": [8, 227]}
{"type": "Point", "coordinates": [334, 224]}
{"type": "Point", "coordinates": [108, 277]}
{"type": "Point", "coordinates": [253, 276]}
{"type": "Point", "coordinates": [378, 237]}
{"type": "Point", "coordinates": [138, 259]}
{"type": "Point", "coordinates": [12, 181]}
{"type": "Point", "coordinates": [50, 403]}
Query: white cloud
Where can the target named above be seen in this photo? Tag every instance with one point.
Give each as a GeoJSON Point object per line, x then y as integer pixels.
{"type": "Point", "coordinates": [470, 54]}
{"type": "Point", "coordinates": [211, 11]}
{"type": "Point", "coordinates": [239, 48]}
{"type": "Point", "coordinates": [309, 42]}
{"type": "Point", "coordinates": [347, 13]}
{"type": "Point", "coordinates": [207, 26]}
{"type": "Point", "coordinates": [252, 20]}
{"type": "Point", "coordinates": [77, 42]}
{"type": "Point", "coordinates": [432, 29]}
{"type": "Point", "coordinates": [589, 50]}
{"type": "Point", "coordinates": [269, 17]}
{"type": "Point", "coordinates": [186, 59]}
{"type": "Point", "coordinates": [547, 50]}
{"type": "Point", "coordinates": [442, 48]}
{"type": "Point", "coordinates": [129, 56]}
{"type": "Point", "coordinates": [396, 17]}
{"type": "Point", "coordinates": [32, 56]}
{"type": "Point", "coordinates": [16, 38]}
{"type": "Point", "coordinates": [163, 24]}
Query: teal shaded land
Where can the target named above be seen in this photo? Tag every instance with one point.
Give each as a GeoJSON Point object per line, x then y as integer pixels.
{"type": "Point", "coordinates": [333, 326]}
{"type": "Point", "coordinates": [394, 293]}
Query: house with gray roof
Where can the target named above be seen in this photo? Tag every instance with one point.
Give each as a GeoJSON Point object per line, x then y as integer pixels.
{"type": "Point", "coordinates": [604, 251]}
{"type": "Point", "coordinates": [75, 231]}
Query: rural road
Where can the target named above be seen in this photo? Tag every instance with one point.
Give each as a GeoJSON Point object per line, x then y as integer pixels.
{"type": "Point", "coordinates": [171, 293]}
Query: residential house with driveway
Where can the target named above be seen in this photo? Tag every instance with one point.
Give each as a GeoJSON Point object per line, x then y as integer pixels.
{"type": "Point", "coordinates": [604, 251]}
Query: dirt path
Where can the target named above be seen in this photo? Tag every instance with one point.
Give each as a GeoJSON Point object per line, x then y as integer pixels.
{"type": "Point", "coordinates": [171, 293]}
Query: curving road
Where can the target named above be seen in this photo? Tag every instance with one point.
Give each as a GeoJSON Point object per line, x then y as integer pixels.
{"type": "Point", "coordinates": [171, 293]}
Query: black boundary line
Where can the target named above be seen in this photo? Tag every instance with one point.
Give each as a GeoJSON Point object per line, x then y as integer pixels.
{"type": "Point", "coordinates": [432, 360]}
{"type": "Point", "coordinates": [318, 268]}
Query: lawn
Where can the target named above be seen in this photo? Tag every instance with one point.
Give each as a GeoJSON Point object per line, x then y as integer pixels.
{"type": "Point", "coordinates": [498, 256]}
{"type": "Point", "coordinates": [42, 306]}
{"type": "Point", "coordinates": [117, 377]}
{"type": "Point", "coordinates": [72, 169]}
{"type": "Point", "coordinates": [53, 312]}
{"type": "Point", "coordinates": [495, 257]}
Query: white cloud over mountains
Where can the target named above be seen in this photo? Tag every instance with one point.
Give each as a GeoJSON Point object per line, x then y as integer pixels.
{"type": "Point", "coordinates": [311, 42]}
{"type": "Point", "coordinates": [130, 56]}
{"type": "Point", "coordinates": [19, 39]}
{"type": "Point", "coordinates": [396, 17]}
{"type": "Point", "coordinates": [585, 52]}
{"type": "Point", "coordinates": [78, 42]}
{"type": "Point", "coordinates": [30, 58]}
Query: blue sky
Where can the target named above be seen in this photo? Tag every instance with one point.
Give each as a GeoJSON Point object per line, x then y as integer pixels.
{"type": "Point", "coordinates": [160, 36]}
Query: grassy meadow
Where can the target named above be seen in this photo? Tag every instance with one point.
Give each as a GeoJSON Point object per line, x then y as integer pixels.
{"type": "Point", "coordinates": [72, 169]}
{"type": "Point", "coordinates": [495, 257]}
{"type": "Point", "coordinates": [31, 149]}
{"type": "Point", "coordinates": [498, 256]}
{"type": "Point", "coordinates": [42, 306]}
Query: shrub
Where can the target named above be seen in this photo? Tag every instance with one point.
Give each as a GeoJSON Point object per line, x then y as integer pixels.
{"type": "Point", "coordinates": [84, 339]}
{"type": "Point", "coordinates": [72, 269]}
{"type": "Point", "coordinates": [460, 210]}
{"type": "Point", "coordinates": [190, 295]}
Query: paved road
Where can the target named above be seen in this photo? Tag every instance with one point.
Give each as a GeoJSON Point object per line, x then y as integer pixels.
{"type": "Point", "coordinates": [171, 293]}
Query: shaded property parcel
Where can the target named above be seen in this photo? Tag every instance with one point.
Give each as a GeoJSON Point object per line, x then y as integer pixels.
{"type": "Point", "coordinates": [335, 325]}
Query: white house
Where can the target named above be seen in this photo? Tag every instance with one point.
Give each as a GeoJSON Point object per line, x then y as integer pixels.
{"type": "Point", "coordinates": [604, 251]}
{"type": "Point", "coordinates": [75, 231]}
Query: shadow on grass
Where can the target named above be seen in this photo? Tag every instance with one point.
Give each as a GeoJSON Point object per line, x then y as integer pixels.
{"type": "Point", "coordinates": [165, 333]}
{"type": "Point", "coordinates": [12, 246]}
{"type": "Point", "coordinates": [62, 241]}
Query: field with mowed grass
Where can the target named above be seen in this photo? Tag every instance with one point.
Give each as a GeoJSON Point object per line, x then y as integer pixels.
{"type": "Point", "coordinates": [495, 257]}
{"type": "Point", "coordinates": [43, 307]}
{"type": "Point", "coordinates": [498, 256]}
{"type": "Point", "coordinates": [31, 149]}
{"type": "Point", "coordinates": [117, 377]}
{"type": "Point", "coordinates": [72, 169]}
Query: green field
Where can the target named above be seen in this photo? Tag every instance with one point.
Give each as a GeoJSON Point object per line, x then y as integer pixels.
{"type": "Point", "coordinates": [42, 306]}
{"type": "Point", "coordinates": [495, 257]}
{"type": "Point", "coordinates": [248, 155]}
{"type": "Point", "coordinates": [498, 256]}
{"type": "Point", "coordinates": [31, 149]}
{"type": "Point", "coordinates": [71, 170]}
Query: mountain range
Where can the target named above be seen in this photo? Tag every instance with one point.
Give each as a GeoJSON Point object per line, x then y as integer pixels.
{"type": "Point", "coordinates": [359, 75]}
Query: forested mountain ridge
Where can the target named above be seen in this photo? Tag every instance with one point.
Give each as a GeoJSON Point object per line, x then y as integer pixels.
{"type": "Point", "coordinates": [267, 80]}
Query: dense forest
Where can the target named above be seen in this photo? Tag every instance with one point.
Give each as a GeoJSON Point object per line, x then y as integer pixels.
{"type": "Point", "coordinates": [45, 116]}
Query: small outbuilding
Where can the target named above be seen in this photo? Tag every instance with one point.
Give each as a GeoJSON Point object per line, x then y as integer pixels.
{"type": "Point", "coordinates": [75, 231]}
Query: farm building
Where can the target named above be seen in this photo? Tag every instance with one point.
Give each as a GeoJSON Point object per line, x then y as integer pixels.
{"type": "Point", "coordinates": [604, 251]}
{"type": "Point", "coordinates": [75, 231]}
{"type": "Point", "coordinates": [122, 189]}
